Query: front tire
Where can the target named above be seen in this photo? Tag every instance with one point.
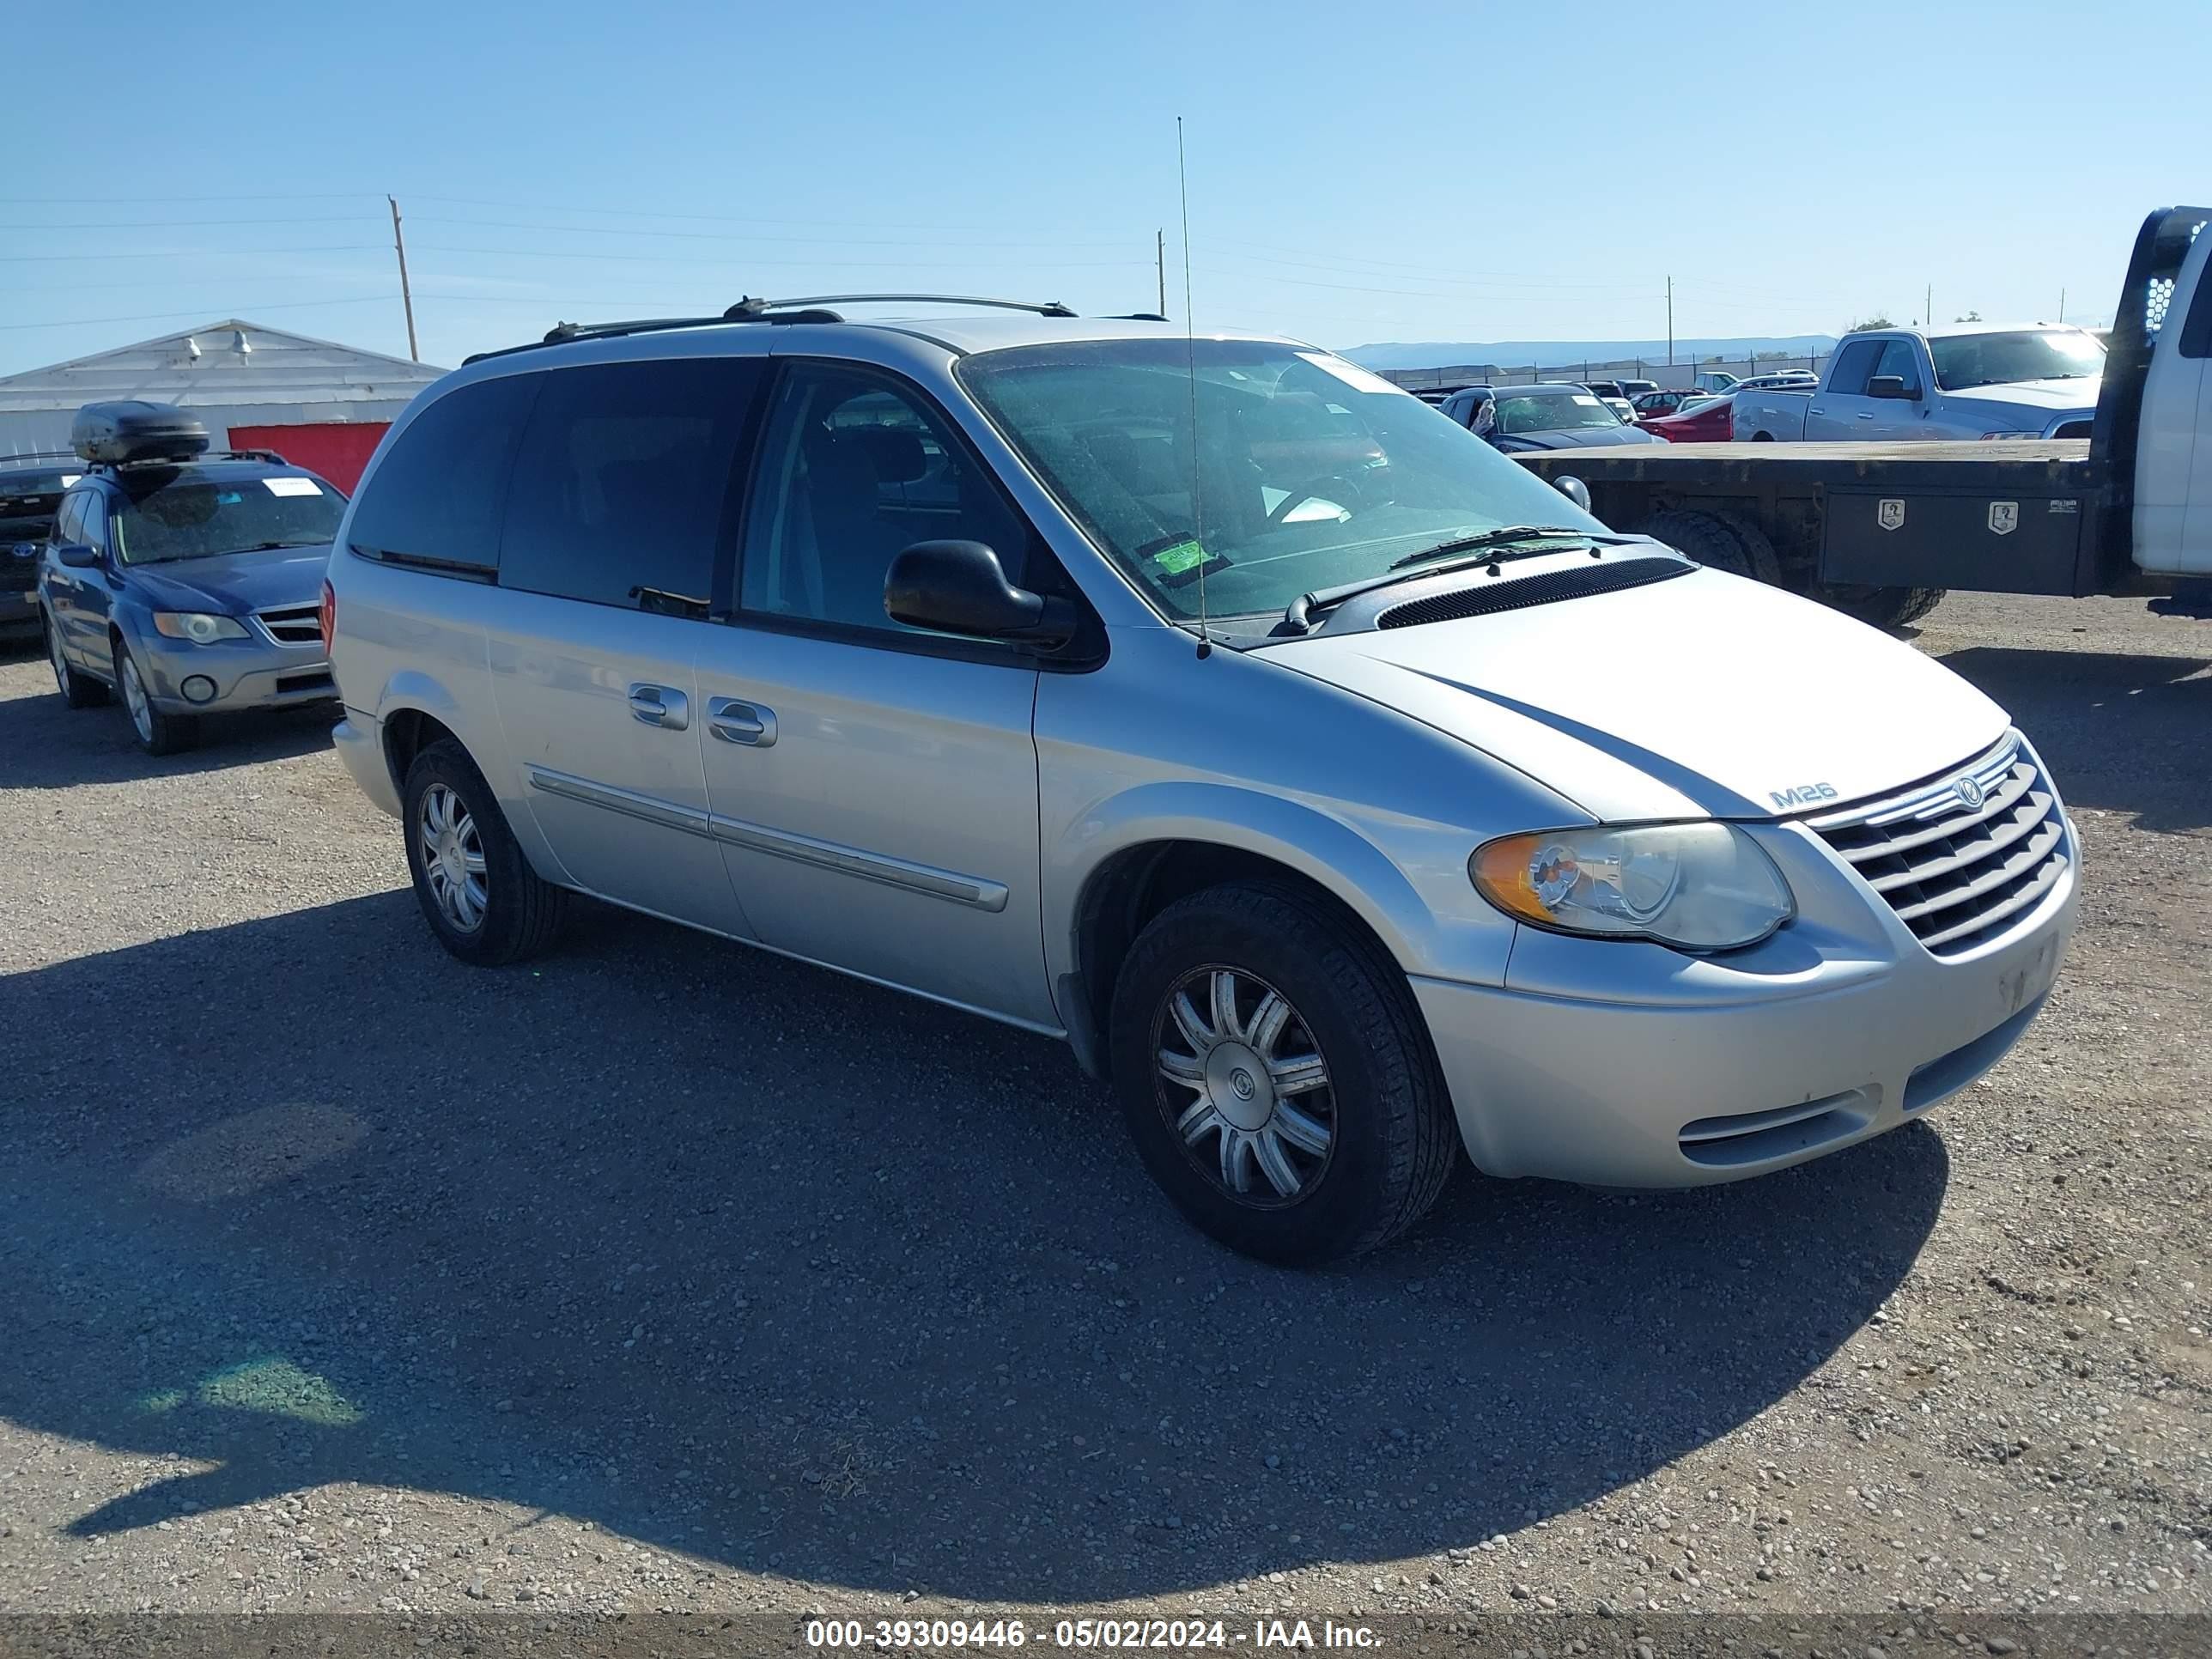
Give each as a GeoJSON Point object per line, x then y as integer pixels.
{"type": "Point", "coordinates": [78, 691]}
{"type": "Point", "coordinates": [1276, 1076]}
{"type": "Point", "coordinates": [478, 891]}
{"type": "Point", "coordinates": [157, 734]}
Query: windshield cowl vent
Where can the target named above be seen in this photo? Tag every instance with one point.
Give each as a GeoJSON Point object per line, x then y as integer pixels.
{"type": "Point", "coordinates": [1489, 595]}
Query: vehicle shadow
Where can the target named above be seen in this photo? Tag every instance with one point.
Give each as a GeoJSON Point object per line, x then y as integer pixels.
{"type": "Point", "coordinates": [49, 745]}
{"type": "Point", "coordinates": [2121, 733]}
{"type": "Point", "coordinates": [754, 1261]}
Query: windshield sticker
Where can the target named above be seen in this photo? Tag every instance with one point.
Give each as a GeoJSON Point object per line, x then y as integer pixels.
{"type": "Point", "coordinates": [1586, 401]}
{"type": "Point", "coordinates": [1182, 556]}
{"type": "Point", "coordinates": [1351, 374]}
{"type": "Point", "coordinates": [68, 479]}
{"type": "Point", "coordinates": [1180, 560]}
{"type": "Point", "coordinates": [292, 486]}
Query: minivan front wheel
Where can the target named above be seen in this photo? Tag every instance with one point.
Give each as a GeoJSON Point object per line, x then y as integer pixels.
{"type": "Point", "coordinates": [478, 891]}
{"type": "Point", "coordinates": [1276, 1078]}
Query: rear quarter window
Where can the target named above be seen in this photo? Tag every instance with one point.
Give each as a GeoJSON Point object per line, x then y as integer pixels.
{"type": "Point", "coordinates": [437, 495]}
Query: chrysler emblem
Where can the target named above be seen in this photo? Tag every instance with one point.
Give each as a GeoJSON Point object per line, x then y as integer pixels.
{"type": "Point", "coordinates": [1968, 792]}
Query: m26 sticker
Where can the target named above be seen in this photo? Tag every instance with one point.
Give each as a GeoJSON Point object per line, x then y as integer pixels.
{"type": "Point", "coordinates": [1890, 515]}
{"type": "Point", "coordinates": [2004, 518]}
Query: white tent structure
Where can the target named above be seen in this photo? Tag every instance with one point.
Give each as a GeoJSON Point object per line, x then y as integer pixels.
{"type": "Point", "coordinates": [319, 403]}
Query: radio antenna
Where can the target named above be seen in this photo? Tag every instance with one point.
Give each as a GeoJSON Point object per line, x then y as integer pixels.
{"type": "Point", "coordinates": [1190, 364]}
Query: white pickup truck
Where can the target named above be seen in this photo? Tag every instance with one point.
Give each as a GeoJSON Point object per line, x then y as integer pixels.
{"type": "Point", "coordinates": [1880, 529]}
{"type": "Point", "coordinates": [1973, 381]}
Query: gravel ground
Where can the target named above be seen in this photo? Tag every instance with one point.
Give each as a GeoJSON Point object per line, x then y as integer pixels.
{"type": "Point", "coordinates": [337, 1275]}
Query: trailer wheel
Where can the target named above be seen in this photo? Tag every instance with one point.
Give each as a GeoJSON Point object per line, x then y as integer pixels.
{"type": "Point", "coordinates": [1722, 541]}
{"type": "Point", "coordinates": [1880, 607]}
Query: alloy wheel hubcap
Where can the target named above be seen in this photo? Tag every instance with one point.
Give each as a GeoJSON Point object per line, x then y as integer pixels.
{"type": "Point", "coordinates": [1244, 1081]}
{"type": "Point", "coordinates": [452, 855]}
{"type": "Point", "coordinates": [134, 699]}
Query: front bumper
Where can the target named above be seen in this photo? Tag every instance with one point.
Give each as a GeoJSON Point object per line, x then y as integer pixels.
{"type": "Point", "coordinates": [1629, 1066]}
{"type": "Point", "coordinates": [244, 673]}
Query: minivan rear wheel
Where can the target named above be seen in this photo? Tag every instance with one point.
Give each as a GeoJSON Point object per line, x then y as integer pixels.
{"type": "Point", "coordinates": [1276, 1077]}
{"type": "Point", "coordinates": [478, 891]}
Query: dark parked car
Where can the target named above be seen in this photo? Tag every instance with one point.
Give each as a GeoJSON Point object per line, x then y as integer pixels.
{"type": "Point", "coordinates": [1519, 417]}
{"type": "Point", "coordinates": [31, 489]}
{"type": "Point", "coordinates": [188, 583]}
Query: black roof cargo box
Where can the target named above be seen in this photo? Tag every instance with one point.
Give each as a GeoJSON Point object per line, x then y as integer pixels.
{"type": "Point", "coordinates": [116, 433]}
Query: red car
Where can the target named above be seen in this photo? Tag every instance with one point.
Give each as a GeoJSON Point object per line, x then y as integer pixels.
{"type": "Point", "coordinates": [1710, 423]}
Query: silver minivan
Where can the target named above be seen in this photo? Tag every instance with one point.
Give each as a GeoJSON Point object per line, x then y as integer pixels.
{"type": "Point", "coordinates": [1342, 792]}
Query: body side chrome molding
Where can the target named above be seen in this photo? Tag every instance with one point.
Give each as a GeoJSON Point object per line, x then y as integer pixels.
{"type": "Point", "coordinates": [972, 891]}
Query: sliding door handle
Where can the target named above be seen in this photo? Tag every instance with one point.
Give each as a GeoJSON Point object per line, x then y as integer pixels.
{"type": "Point", "coordinates": [748, 723]}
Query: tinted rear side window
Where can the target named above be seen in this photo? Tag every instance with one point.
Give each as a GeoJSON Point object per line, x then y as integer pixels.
{"type": "Point", "coordinates": [620, 485]}
{"type": "Point", "coordinates": [436, 496]}
{"type": "Point", "coordinates": [1854, 364]}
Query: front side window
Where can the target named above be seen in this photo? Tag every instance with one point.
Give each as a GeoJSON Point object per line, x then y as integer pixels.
{"type": "Point", "coordinates": [1898, 358]}
{"type": "Point", "coordinates": [435, 496]}
{"type": "Point", "coordinates": [2054, 354]}
{"type": "Point", "coordinates": [1298, 470]}
{"type": "Point", "coordinates": [620, 482]}
{"type": "Point", "coordinates": [68, 523]}
{"type": "Point", "coordinates": [853, 468]}
{"type": "Point", "coordinates": [169, 513]}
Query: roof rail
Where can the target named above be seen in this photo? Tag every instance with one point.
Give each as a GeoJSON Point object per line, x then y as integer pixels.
{"type": "Point", "coordinates": [39, 455]}
{"type": "Point", "coordinates": [269, 456]}
{"type": "Point", "coordinates": [748, 309]}
{"type": "Point", "coordinates": [751, 310]}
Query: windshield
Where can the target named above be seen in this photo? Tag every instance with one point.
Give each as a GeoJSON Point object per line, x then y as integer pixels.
{"type": "Point", "coordinates": [2054, 354]}
{"type": "Point", "coordinates": [1549, 411]}
{"type": "Point", "coordinates": [175, 514]}
{"type": "Point", "coordinates": [1309, 472]}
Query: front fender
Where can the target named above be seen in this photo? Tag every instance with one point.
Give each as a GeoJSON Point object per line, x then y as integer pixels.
{"type": "Point", "coordinates": [1472, 947]}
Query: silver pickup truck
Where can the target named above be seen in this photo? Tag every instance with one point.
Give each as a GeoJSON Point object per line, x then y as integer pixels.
{"type": "Point", "coordinates": [1972, 380]}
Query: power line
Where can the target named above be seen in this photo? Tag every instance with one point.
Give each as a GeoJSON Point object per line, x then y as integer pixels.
{"type": "Point", "coordinates": [737, 260]}
{"type": "Point", "coordinates": [747, 236]}
{"type": "Point", "coordinates": [171, 316]}
{"type": "Point", "coordinates": [196, 224]}
{"type": "Point", "coordinates": [188, 253]}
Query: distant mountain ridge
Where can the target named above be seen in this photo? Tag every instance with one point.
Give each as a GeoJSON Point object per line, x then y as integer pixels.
{"type": "Point", "coordinates": [1438, 354]}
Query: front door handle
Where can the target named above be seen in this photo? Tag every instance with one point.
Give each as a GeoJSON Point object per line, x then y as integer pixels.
{"type": "Point", "coordinates": [748, 723]}
{"type": "Point", "coordinates": [660, 705]}
{"type": "Point", "coordinates": [1866, 415]}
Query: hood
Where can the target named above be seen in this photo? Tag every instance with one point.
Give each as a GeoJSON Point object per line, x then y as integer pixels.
{"type": "Point", "coordinates": [1705, 695]}
{"type": "Point", "coordinates": [237, 584]}
{"type": "Point", "coordinates": [2076, 396]}
{"type": "Point", "coordinates": [1579, 437]}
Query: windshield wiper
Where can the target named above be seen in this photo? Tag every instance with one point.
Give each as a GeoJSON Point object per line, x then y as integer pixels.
{"type": "Point", "coordinates": [1297, 616]}
{"type": "Point", "coordinates": [270, 547]}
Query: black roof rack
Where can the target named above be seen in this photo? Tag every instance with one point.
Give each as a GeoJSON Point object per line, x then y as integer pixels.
{"type": "Point", "coordinates": [810, 309]}
{"type": "Point", "coordinates": [269, 456]}
{"type": "Point", "coordinates": [38, 455]}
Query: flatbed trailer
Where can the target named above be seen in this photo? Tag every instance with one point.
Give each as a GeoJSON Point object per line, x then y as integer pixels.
{"type": "Point", "coordinates": [1880, 530]}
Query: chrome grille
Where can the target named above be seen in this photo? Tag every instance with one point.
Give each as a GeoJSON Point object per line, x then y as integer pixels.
{"type": "Point", "coordinates": [1960, 859]}
{"type": "Point", "coordinates": [294, 624]}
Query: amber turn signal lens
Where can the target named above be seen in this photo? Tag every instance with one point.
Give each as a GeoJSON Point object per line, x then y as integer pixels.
{"type": "Point", "coordinates": [1500, 872]}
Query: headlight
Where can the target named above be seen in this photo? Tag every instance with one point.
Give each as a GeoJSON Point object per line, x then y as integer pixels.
{"type": "Point", "coordinates": [198, 626]}
{"type": "Point", "coordinates": [1694, 886]}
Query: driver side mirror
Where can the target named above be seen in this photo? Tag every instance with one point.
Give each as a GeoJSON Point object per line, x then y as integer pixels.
{"type": "Point", "coordinates": [77, 556]}
{"type": "Point", "coordinates": [960, 587]}
{"type": "Point", "coordinates": [1893, 386]}
{"type": "Point", "coordinates": [1574, 489]}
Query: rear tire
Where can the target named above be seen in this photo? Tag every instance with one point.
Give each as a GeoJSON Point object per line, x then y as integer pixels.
{"type": "Point", "coordinates": [157, 734]}
{"type": "Point", "coordinates": [1348, 1137]}
{"type": "Point", "coordinates": [78, 691]}
{"type": "Point", "coordinates": [1721, 541]}
{"type": "Point", "coordinates": [1882, 607]}
{"type": "Point", "coordinates": [478, 891]}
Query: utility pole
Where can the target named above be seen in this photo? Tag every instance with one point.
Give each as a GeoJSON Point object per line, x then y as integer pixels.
{"type": "Point", "coordinates": [1928, 308]}
{"type": "Point", "coordinates": [406, 294]}
{"type": "Point", "coordinates": [1160, 254]}
{"type": "Point", "coordinates": [2062, 305]}
{"type": "Point", "coordinates": [1670, 322]}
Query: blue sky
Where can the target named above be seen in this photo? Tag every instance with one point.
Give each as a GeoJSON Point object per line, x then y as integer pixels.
{"type": "Point", "coordinates": [1358, 173]}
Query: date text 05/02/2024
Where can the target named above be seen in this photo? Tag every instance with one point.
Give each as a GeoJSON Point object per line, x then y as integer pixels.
{"type": "Point", "coordinates": [898, 1635]}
